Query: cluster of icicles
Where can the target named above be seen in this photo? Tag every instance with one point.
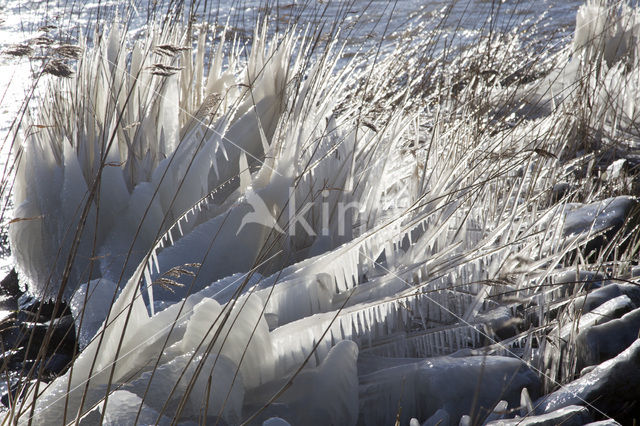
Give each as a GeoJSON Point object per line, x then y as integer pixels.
{"type": "Point", "coordinates": [159, 201]}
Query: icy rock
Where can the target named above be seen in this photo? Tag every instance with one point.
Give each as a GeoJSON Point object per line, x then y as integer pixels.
{"type": "Point", "coordinates": [610, 387]}
{"type": "Point", "coordinates": [224, 390]}
{"type": "Point", "coordinates": [607, 311]}
{"type": "Point", "coordinates": [563, 337]}
{"type": "Point", "coordinates": [594, 225]}
{"type": "Point", "coordinates": [235, 250]}
{"type": "Point", "coordinates": [609, 422]}
{"type": "Point", "coordinates": [587, 370]}
{"type": "Point", "coordinates": [423, 387]}
{"type": "Point", "coordinates": [9, 285]}
{"type": "Point", "coordinates": [249, 340]}
{"type": "Point", "coordinates": [605, 341]}
{"type": "Point", "coordinates": [89, 306]}
{"type": "Point", "coordinates": [13, 392]}
{"type": "Point", "coordinates": [143, 343]}
{"type": "Point", "coordinates": [583, 304]}
{"type": "Point", "coordinates": [572, 415]}
{"type": "Point", "coordinates": [598, 216]}
{"type": "Point", "coordinates": [414, 422]}
{"type": "Point", "coordinates": [525, 403]}
{"type": "Point", "coordinates": [465, 421]}
{"type": "Point", "coordinates": [93, 417]}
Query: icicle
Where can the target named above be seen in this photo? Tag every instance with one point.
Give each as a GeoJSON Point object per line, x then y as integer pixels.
{"type": "Point", "coordinates": [245, 175]}
{"type": "Point", "coordinates": [154, 261]}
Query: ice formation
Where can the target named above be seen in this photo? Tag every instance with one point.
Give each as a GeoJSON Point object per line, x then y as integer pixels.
{"type": "Point", "coordinates": [287, 238]}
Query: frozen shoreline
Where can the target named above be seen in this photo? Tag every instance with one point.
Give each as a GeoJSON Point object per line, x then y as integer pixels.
{"type": "Point", "coordinates": [493, 225]}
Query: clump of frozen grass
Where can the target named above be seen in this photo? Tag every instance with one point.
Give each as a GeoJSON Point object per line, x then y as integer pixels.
{"type": "Point", "coordinates": [129, 132]}
{"type": "Point", "coordinates": [453, 215]}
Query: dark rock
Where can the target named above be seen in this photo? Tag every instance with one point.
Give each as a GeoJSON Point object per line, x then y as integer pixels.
{"type": "Point", "coordinates": [56, 364]}
{"type": "Point", "coordinates": [559, 191]}
{"type": "Point", "coordinates": [63, 333]}
{"type": "Point", "coordinates": [501, 322]}
{"type": "Point", "coordinates": [33, 310]}
{"type": "Point", "coordinates": [10, 336]}
{"type": "Point", "coordinates": [63, 338]}
{"type": "Point", "coordinates": [599, 216]}
{"type": "Point", "coordinates": [13, 391]}
{"type": "Point", "coordinates": [440, 417]}
{"type": "Point", "coordinates": [520, 76]}
{"type": "Point", "coordinates": [12, 360]}
{"type": "Point", "coordinates": [22, 335]}
{"type": "Point", "coordinates": [27, 301]}
{"type": "Point", "coordinates": [9, 285]}
{"type": "Point", "coordinates": [5, 398]}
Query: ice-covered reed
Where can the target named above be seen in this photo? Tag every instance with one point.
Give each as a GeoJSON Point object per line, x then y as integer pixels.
{"type": "Point", "coordinates": [259, 240]}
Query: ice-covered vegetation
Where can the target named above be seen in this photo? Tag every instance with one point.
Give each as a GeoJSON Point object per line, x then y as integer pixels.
{"type": "Point", "coordinates": [298, 229]}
